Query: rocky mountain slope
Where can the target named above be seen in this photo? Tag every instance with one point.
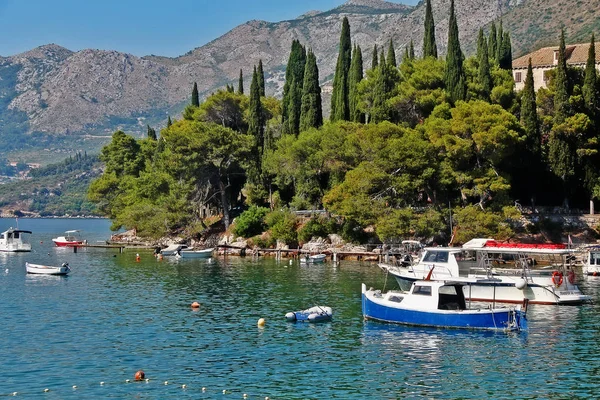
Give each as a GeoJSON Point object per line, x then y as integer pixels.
{"type": "Point", "coordinates": [55, 91]}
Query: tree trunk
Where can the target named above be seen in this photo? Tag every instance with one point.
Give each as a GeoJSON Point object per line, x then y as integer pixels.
{"type": "Point", "coordinates": [591, 206]}
{"type": "Point", "coordinates": [224, 203]}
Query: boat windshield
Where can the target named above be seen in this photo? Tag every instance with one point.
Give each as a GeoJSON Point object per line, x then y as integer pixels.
{"type": "Point", "coordinates": [436, 256]}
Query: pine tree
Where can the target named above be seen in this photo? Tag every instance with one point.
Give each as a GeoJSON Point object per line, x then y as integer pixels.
{"type": "Point", "coordinates": [311, 111]}
{"type": "Point", "coordinates": [529, 117]}
{"type": "Point", "coordinates": [454, 75]}
{"type": "Point", "coordinates": [590, 86]}
{"type": "Point", "coordinates": [561, 95]}
{"type": "Point", "coordinates": [151, 133]}
{"type": "Point", "coordinates": [340, 108]}
{"type": "Point", "coordinates": [492, 42]}
{"type": "Point", "coordinates": [241, 83]}
{"type": "Point", "coordinates": [429, 46]}
{"type": "Point", "coordinates": [375, 59]}
{"type": "Point", "coordinates": [195, 98]}
{"type": "Point", "coordinates": [261, 78]}
{"type": "Point", "coordinates": [256, 119]}
{"type": "Point", "coordinates": [391, 55]}
{"type": "Point", "coordinates": [355, 76]}
{"type": "Point", "coordinates": [294, 73]}
{"type": "Point", "coordinates": [484, 75]}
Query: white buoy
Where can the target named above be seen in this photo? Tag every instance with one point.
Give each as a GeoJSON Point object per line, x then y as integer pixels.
{"type": "Point", "coordinates": [46, 390]}
{"type": "Point", "coordinates": [291, 262]}
{"type": "Point", "coordinates": [147, 380]}
{"type": "Point", "coordinates": [203, 389]}
{"type": "Point", "coordinates": [127, 381]}
{"type": "Point", "coordinates": [166, 382]}
{"type": "Point", "coordinates": [74, 386]}
{"type": "Point", "coordinates": [15, 393]}
{"type": "Point", "coordinates": [6, 270]}
{"type": "Point", "coordinates": [101, 383]}
{"type": "Point", "coordinates": [261, 322]}
{"type": "Point", "coordinates": [245, 395]}
{"type": "Point", "coordinates": [183, 386]}
{"type": "Point", "coordinates": [224, 391]}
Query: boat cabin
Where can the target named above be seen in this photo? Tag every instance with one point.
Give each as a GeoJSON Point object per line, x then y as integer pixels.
{"type": "Point", "coordinates": [430, 295]}
{"type": "Point", "coordinates": [14, 240]}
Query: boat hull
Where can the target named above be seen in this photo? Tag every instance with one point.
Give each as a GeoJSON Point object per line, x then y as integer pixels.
{"type": "Point", "coordinates": [46, 270]}
{"type": "Point", "coordinates": [68, 244]}
{"type": "Point", "coordinates": [316, 259]}
{"type": "Point", "coordinates": [207, 253]}
{"type": "Point", "coordinates": [478, 319]}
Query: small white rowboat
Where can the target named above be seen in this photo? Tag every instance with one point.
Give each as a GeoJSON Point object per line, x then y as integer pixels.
{"type": "Point", "coordinates": [47, 269]}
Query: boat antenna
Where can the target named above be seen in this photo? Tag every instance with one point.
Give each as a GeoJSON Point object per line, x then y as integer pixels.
{"type": "Point", "coordinates": [17, 219]}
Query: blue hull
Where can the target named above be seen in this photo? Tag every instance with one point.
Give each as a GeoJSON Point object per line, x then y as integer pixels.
{"type": "Point", "coordinates": [468, 319]}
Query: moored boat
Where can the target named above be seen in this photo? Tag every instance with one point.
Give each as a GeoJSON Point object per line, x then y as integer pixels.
{"type": "Point", "coordinates": [71, 238]}
{"type": "Point", "coordinates": [64, 269]}
{"type": "Point", "coordinates": [591, 261]}
{"type": "Point", "coordinates": [438, 304]}
{"type": "Point", "coordinates": [313, 314]}
{"type": "Point", "coordinates": [314, 259]}
{"type": "Point", "coordinates": [480, 259]}
{"type": "Point", "coordinates": [173, 249]}
{"type": "Point", "coordinates": [195, 253]}
{"type": "Point", "coordinates": [12, 240]}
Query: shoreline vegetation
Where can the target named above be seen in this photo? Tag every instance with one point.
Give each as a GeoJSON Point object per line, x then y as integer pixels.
{"type": "Point", "coordinates": [436, 149]}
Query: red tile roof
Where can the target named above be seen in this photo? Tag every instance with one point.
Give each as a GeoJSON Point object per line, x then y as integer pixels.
{"type": "Point", "coordinates": [544, 57]}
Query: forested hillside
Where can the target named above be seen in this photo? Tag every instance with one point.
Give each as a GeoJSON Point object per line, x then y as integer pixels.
{"type": "Point", "coordinates": [407, 141]}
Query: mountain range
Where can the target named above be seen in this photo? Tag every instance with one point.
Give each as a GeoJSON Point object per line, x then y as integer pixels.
{"type": "Point", "coordinates": [50, 94]}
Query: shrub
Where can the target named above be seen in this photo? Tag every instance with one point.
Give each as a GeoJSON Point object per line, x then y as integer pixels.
{"type": "Point", "coordinates": [353, 232]}
{"type": "Point", "coordinates": [282, 224]}
{"type": "Point", "coordinates": [315, 227]}
{"type": "Point", "coordinates": [251, 222]}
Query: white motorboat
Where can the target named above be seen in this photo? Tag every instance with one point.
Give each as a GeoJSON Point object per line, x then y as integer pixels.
{"type": "Point", "coordinates": [438, 304]}
{"type": "Point", "coordinates": [591, 261]}
{"type": "Point", "coordinates": [314, 259]}
{"type": "Point", "coordinates": [194, 253]}
{"type": "Point", "coordinates": [12, 240]}
{"type": "Point", "coordinates": [173, 249]}
{"type": "Point", "coordinates": [555, 282]}
{"type": "Point", "coordinates": [64, 269]}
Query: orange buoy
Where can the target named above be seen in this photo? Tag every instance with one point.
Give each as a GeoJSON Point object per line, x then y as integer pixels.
{"type": "Point", "coordinates": [137, 258]}
{"type": "Point", "coordinates": [195, 305]}
{"type": "Point", "coordinates": [595, 273]}
{"type": "Point", "coordinates": [139, 376]}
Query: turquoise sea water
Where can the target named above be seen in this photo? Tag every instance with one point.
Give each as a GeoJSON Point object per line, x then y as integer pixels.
{"type": "Point", "coordinates": [113, 316]}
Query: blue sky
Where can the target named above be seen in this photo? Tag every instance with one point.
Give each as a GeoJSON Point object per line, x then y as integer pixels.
{"type": "Point", "coordinates": [167, 28]}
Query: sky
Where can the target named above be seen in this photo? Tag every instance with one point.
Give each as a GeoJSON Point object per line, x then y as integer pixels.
{"type": "Point", "coordinates": [159, 27]}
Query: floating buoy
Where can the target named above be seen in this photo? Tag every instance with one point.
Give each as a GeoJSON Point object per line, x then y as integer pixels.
{"type": "Point", "coordinates": [183, 386]}
{"type": "Point", "coordinates": [224, 391]}
{"type": "Point", "coordinates": [595, 273]}
{"type": "Point", "coordinates": [204, 389]}
{"type": "Point", "coordinates": [195, 305]}
{"type": "Point", "coordinates": [137, 258]}
{"type": "Point", "coordinates": [291, 262]}
{"type": "Point", "coordinates": [521, 284]}
{"type": "Point", "coordinates": [101, 383]}
{"type": "Point", "coordinates": [46, 390]}
{"type": "Point", "coordinates": [139, 376]}
{"type": "Point", "coordinates": [261, 322]}
{"type": "Point", "coordinates": [147, 380]}
{"type": "Point", "coordinates": [127, 381]}
{"type": "Point", "coordinates": [245, 395]}
{"type": "Point", "coordinates": [166, 382]}
{"type": "Point", "coordinates": [74, 386]}
{"type": "Point", "coordinates": [15, 393]}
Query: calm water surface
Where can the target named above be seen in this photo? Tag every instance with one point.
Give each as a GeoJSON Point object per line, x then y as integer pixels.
{"type": "Point", "coordinates": [113, 316]}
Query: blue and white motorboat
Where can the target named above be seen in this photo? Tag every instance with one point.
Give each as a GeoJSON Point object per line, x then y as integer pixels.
{"type": "Point", "coordinates": [313, 314]}
{"type": "Point", "coordinates": [439, 304]}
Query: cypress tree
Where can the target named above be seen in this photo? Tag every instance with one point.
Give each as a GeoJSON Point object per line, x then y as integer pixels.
{"type": "Point", "coordinates": [229, 88]}
{"type": "Point", "coordinates": [375, 59]}
{"type": "Point", "coordinates": [484, 75]}
{"type": "Point", "coordinates": [340, 108]}
{"type": "Point", "coordinates": [561, 95]}
{"type": "Point", "coordinates": [499, 39]}
{"type": "Point", "coordinates": [169, 123]}
{"type": "Point", "coordinates": [391, 55]}
{"type": "Point", "coordinates": [411, 50]}
{"type": "Point", "coordinates": [195, 98]}
{"type": "Point", "coordinates": [293, 125]}
{"type": "Point", "coordinates": [355, 76]}
{"type": "Point", "coordinates": [454, 75]}
{"type": "Point", "coordinates": [151, 133]}
{"type": "Point", "coordinates": [294, 74]}
{"type": "Point", "coordinates": [429, 46]}
{"type": "Point", "coordinates": [241, 83]}
{"type": "Point", "coordinates": [529, 117]}
{"type": "Point", "coordinates": [492, 42]}
{"type": "Point", "coordinates": [311, 111]}
{"type": "Point", "coordinates": [590, 87]}
{"type": "Point", "coordinates": [256, 118]}
{"type": "Point", "coordinates": [261, 78]}
{"type": "Point", "coordinates": [505, 52]}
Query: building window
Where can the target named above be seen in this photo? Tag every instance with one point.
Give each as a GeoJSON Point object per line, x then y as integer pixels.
{"type": "Point", "coordinates": [546, 76]}
{"type": "Point", "coordinates": [517, 77]}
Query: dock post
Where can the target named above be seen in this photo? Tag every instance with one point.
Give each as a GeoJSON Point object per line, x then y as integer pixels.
{"type": "Point", "coordinates": [74, 249]}
{"type": "Point", "coordinates": [334, 257]}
